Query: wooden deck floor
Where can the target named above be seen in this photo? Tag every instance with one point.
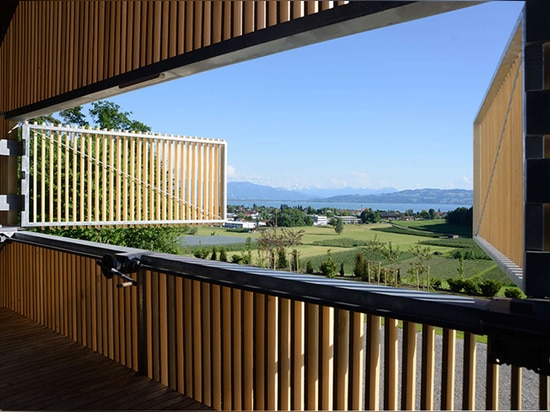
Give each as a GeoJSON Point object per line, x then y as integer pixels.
{"type": "Point", "coordinates": [40, 369]}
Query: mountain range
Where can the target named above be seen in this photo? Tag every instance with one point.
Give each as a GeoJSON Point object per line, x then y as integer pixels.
{"type": "Point", "coordinates": [251, 191]}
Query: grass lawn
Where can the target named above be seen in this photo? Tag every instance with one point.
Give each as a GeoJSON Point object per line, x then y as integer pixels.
{"type": "Point", "coordinates": [317, 241]}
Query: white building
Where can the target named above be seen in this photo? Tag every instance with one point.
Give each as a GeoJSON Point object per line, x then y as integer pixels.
{"type": "Point", "coordinates": [320, 220]}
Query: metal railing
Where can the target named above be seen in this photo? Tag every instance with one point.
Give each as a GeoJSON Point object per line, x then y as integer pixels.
{"type": "Point", "coordinates": [237, 337]}
{"type": "Point", "coordinates": [80, 176]}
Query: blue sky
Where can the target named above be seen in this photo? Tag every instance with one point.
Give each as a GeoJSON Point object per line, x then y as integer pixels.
{"type": "Point", "coordinates": [390, 107]}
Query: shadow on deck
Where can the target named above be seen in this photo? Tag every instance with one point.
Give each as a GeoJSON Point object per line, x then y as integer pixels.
{"type": "Point", "coordinates": [40, 369]}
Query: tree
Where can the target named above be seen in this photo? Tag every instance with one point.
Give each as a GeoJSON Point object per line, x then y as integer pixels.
{"type": "Point", "coordinates": [432, 213]}
{"type": "Point", "coordinates": [392, 253]}
{"type": "Point", "coordinates": [74, 116]}
{"type": "Point", "coordinates": [370, 216]}
{"type": "Point", "coordinates": [460, 216]}
{"type": "Point", "coordinates": [328, 266]}
{"type": "Point", "coordinates": [339, 227]}
{"type": "Point", "coordinates": [107, 115]}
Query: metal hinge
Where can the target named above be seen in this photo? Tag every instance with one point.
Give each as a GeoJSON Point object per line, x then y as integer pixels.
{"type": "Point", "coordinates": [11, 148]}
{"type": "Point", "coordinates": [11, 203]}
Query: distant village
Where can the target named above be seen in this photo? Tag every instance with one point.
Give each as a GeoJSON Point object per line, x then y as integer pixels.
{"type": "Point", "coordinates": [245, 218]}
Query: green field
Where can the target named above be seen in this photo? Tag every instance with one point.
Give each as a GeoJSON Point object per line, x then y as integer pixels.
{"type": "Point", "coordinates": [317, 241]}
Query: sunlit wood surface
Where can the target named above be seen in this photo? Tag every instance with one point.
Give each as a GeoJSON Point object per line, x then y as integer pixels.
{"type": "Point", "coordinates": [40, 369]}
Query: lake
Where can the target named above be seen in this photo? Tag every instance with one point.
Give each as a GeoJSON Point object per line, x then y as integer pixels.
{"type": "Point", "coordinates": [401, 207]}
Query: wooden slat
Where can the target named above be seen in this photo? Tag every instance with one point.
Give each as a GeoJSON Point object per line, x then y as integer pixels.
{"type": "Point", "coordinates": [372, 386]}
{"type": "Point", "coordinates": [408, 377]}
{"type": "Point", "coordinates": [312, 356]}
{"type": "Point", "coordinates": [248, 350]}
{"type": "Point", "coordinates": [515, 388]}
{"type": "Point", "coordinates": [448, 370]}
{"type": "Point", "coordinates": [216, 347]}
{"type": "Point", "coordinates": [227, 321]}
{"type": "Point", "coordinates": [491, 387]}
{"type": "Point", "coordinates": [298, 357]}
{"type": "Point", "coordinates": [391, 381]}
{"type": "Point", "coordinates": [469, 372]}
{"type": "Point", "coordinates": [428, 367]}
{"type": "Point", "coordinates": [342, 359]}
{"type": "Point", "coordinates": [237, 356]}
{"type": "Point", "coordinates": [285, 351]}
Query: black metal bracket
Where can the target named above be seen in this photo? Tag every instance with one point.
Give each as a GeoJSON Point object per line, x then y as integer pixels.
{"type": "Point", "coordinates": [120, 264]}
{"type": "Point", "coordinates": [519, 333]}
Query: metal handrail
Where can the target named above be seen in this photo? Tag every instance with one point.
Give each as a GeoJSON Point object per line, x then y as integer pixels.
{"type": "Point", "coordinates": [497, 316]}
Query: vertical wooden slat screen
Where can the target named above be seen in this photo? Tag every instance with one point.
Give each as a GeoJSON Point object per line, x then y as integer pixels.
{"type": "Point", "coordinates": [78, 44]}
{"type": "Point", "coordinates": [121, 174]}
{"type": "Point", "coordinates": [498, 159]}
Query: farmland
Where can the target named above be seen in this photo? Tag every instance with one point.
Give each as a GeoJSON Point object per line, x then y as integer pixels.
{"type": "Point", "coordinates": [444, 258]}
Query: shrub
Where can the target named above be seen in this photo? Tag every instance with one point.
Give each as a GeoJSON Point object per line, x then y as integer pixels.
{"type": "Point", "coordinates": [513, 293]}
{"type": "Point", "coordinates": [328, 266]}
{"type": "Point", "coordinates": [358, 270]}
{"type": "Point", "coordinates": [435, 283]}
{"type": "Point", "coordinates": [223, 255]}
{"type": "Point", "coordinates": [201, 253]}
{"type": "Point", "coordinates": [342, 271]}
{"type": "Point", "coordinates": [309, 267]}
{"type": "Point", "coordinates": [471, 287]}
{"type": "Point", "coordinates": [214, 254]}
{"type": "Point", "coordinates": [489, 287]}
{"type": "Point", "coordinates": [281, 259]}
{"type": "Point", "coordinates": [455, 285]}
{"type": "Point", "coordinates": [236, 259]}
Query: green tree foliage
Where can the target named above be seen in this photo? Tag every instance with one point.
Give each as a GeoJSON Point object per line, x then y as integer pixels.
{"type": "Point", "coordinates": [309, 267]}
{"type": "Point", "coordinates": [460, 216]}
{"type": "Point", "coordinates": [282, 262]}
{"type": "Point", "coordinates": [489, 287]}
{"type": "Point", "coordinates": [155, 238]}
{"type": "Point", "coordinates": [513, 293]}
{"type": "Point", "coordinates": [339, 226]}
{"type": "Point", "coordinates": [370, 216]}
{"type": "Point", "coordinates": [290, 217]}
{"type": "Point", "coordinates": [223, 255]}
{"type": "Point", "coordinates": [328, 266]}
{"type": "Point", "coordinates": [74, 116]}
{"type": "Point", "coordinates": [108, 115]}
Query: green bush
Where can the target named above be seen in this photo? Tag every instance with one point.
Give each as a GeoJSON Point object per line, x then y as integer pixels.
{"type": "Point", "coordinates": [435, 283]}
{"type": "Point", "coordinates": [282, 262]}
{"type": "Point", "coordinates": [309, 267]}
{"type": "Point", "coordinates": [358, 270]}
{"type": "Point", "coordinates": [214, 254]}
{"type": "Point", "coordinates": [471, 287]}
{"type": "Point", "coordinates": [328, 267]}
{"type": "Point", "coordinates": [455, 285]}
{"type": "Point", "coordinates": [513, 293]}
{"type": "Point", "coordinates": [342, 270]}
{"type": "Point", "coordinates": [201, 253]}
{"type": "Point", "coordinates": [236, 259]}
{"type": "Point", "coordinates": [489, 287]}
{"type": "Point", "coordinates": [223, 255]}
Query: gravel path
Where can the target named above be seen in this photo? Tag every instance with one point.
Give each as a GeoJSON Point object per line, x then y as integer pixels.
{"type": "Point", "coordinates": [530, 380]}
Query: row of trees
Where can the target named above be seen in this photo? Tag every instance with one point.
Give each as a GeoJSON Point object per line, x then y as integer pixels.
{"type": "Point", "coordinates": [103, 114]}
{"type": "Point", "coordinates": [287, 216]}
